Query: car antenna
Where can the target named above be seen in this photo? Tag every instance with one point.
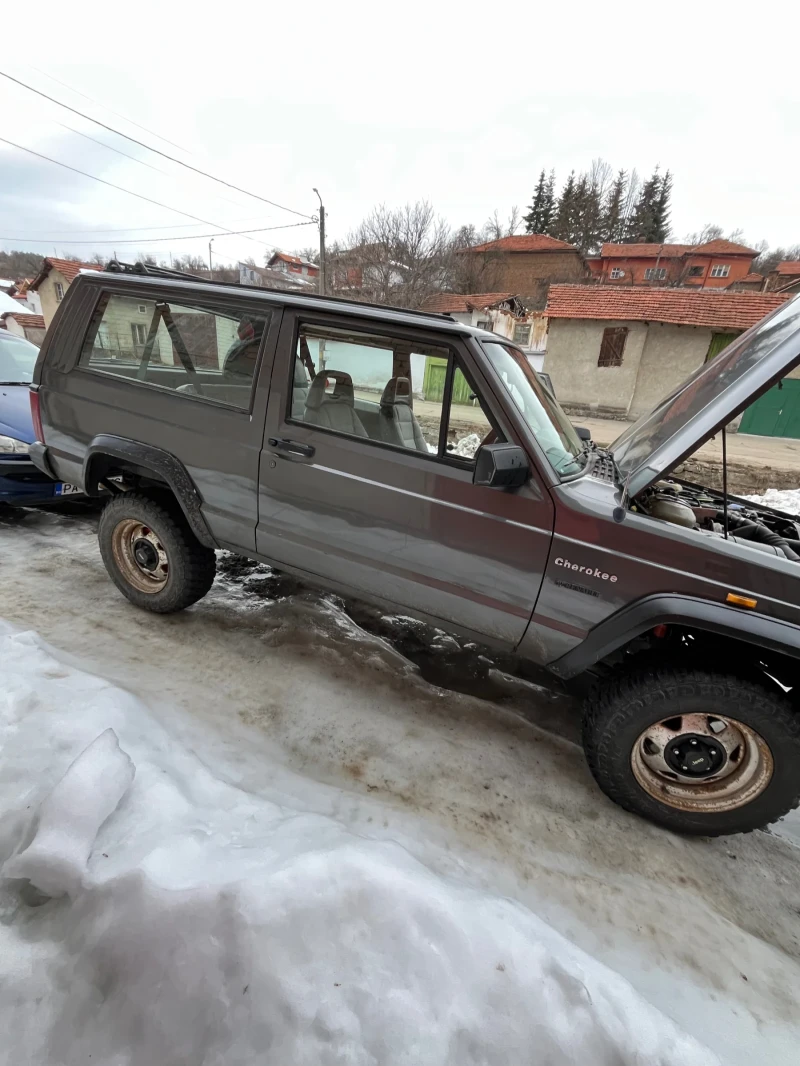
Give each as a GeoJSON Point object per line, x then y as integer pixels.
{"type": "Point", "coordinates": [725, 482]}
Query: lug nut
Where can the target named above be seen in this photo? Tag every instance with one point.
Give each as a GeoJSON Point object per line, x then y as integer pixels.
{"type": "Point", "coordinates": [684, 768]}
{"type": "Point", "coordinates": [694, 742]}
{"type": "Point", "coordinates": [676, 751]}
{"type": "Point", "coordinates": [712, 751]}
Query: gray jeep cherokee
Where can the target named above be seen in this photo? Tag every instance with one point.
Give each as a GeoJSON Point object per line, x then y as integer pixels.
{"type": "Point", "coordinates": [404, 458]}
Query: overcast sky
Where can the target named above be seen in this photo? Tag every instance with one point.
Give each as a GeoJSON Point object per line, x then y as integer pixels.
{"type": "Point", "coordinates": [459, 104]}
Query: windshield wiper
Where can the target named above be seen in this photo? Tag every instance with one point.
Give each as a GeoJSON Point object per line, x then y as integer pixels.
{"type": "Point", "coordinates": [15, 383]}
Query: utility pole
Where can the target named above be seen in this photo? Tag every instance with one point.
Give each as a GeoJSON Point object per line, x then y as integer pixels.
{"type": "Point", "coordinates": [210, 268]}
{"type": "Point", "coordinates": [321, 244]}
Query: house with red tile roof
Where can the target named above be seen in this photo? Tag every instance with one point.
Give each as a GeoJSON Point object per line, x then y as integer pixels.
{"type": "Point", "coordinates": [526, 264]}
{"type": "Point", "coordinates": [53, 280]}
{"type": "Point", "coordinates": [616, 351]}
{"type": "Point", "coordinates": [499, 312]}
{"type": "Point", "coordinates": [23, 324]}
{"type": "Point", "coordinates": [293, 264]}
{"type": "Point", "coordinates": [785, 277]}
{"type": "Point", "coordinates": [716, 264]}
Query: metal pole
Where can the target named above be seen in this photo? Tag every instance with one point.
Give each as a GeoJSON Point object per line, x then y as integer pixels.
{"type": "Point", "coordinates": [321, 244]}
{"type": "Point", "coordinates": [210, 268]}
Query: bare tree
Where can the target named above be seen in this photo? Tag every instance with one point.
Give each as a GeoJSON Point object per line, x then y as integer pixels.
{"type": "Point", "coordinates": [469, 271]}
{"type": "Point", "coordinates": [514, 221]}
{"type": "Point", "coordinates": [398, 257]}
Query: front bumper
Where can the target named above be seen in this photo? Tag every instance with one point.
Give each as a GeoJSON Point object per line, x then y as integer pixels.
{"type": "Point", "coordinates": [21, 483]}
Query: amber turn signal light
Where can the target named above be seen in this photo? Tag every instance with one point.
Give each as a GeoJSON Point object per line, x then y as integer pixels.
{"type": "Point", "coordinates": [740, 601]}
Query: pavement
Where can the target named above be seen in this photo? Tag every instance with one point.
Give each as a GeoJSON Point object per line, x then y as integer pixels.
{"type": "Point", "coordinates": [744, 448]}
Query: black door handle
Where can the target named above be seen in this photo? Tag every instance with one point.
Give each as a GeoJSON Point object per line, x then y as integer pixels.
{"type": "Point", "coordinates": [283, 444]}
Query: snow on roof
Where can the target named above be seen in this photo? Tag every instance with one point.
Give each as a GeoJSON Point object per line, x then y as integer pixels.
{"type": "Point", "coordinates": [8, 303]}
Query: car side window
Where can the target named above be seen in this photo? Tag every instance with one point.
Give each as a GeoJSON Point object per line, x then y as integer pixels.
{"type": "Point", "coordinates": [387, 390]}
{"type": "Point", "coordinates": [193, 350]}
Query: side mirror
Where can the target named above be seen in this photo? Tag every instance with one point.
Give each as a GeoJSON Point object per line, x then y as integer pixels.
{"type": "Point", "coordinates": [583, 432]}
{"type": "Point", "coordinates": [501, 466]}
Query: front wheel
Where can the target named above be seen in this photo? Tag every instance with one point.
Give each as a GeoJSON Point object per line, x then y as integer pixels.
{"type": "Point", "coordinates": [698, 752]}
{"type": "Point", "coordinates": [151, 554]}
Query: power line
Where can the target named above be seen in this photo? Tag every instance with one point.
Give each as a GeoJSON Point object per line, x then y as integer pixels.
{"type": "Point", "coordinates": [158, 240]}
{"type": "Point", "coordinates": [141, 144]}
{"type": "Point", "coordinates": [119, 188]}
{"type": "Point", "coordinates": [105, 107]}
{"type": "Point", "coordinates": [136, 229]}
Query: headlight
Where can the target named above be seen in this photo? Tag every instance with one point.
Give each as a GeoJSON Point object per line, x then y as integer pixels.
{"type": "Point", "coordinates": [9, 444]}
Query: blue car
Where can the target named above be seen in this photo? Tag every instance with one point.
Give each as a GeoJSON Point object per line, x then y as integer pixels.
{"type": "Point", "coordinates": [21, 484]}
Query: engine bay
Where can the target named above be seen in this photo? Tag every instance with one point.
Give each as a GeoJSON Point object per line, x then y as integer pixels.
{"type": "Point", "coordinates": [695, 507]}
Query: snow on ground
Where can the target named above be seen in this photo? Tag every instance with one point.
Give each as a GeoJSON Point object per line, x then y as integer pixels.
{"type": "Point", "coordinates": [288, 699]}
{"type": "Point", "coordinates": [213, 925]}
{"type": "Point", "coordinates": [787, 500]}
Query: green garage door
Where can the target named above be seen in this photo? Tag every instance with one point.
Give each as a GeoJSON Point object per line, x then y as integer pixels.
{"type": "Point", "coordinates": [776, 413]}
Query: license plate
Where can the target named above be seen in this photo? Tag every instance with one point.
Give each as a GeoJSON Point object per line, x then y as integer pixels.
{"type": "Point", "coordinates": [66, 490]}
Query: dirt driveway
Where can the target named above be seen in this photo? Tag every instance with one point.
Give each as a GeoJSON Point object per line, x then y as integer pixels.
{"type": "Point", "coordinates": [707, 929]}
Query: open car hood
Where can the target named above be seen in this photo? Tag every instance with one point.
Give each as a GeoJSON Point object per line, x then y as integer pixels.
{"type": "Point", "coordinates": [709, 399]}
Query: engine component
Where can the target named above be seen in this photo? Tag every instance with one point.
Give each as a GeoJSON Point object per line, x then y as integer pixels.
{"type": "Point", "coordinates": [670, 508]}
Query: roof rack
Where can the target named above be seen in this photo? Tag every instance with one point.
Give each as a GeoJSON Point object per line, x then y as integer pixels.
{"type": "Point", "coordinates": [114, 266]}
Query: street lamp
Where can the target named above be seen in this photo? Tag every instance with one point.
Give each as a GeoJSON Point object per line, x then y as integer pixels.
{"type": "Point", "coordinates": [210, 268]}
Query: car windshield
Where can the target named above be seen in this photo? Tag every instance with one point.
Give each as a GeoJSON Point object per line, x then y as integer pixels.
{"type": "Point", "coordinates": [548, 423]}
{"type": "Point", "coordinates": [17, 360]}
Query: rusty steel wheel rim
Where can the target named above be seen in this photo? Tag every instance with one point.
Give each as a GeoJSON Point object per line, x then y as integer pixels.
{"type": "Point", "coordinates": [703, 763]}
{"type": "Point", "coordinates": [140, 555]}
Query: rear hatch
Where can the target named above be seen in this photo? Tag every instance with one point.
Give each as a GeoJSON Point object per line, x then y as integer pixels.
{"type": "Point", "coordinates": [714, 395]}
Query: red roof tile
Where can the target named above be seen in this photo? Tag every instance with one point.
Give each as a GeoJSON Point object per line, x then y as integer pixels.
{"type": "Point", "coordinates": [644, 251]}
{"type": "Point", "coordinates": [752, 276]}
{"type": "Point", "coordinates": [525, 242]}
{"type": "Point", "coordinates": [68, 267]}
{"type": "Point", "coordinates": [789, 266]}
{"type": "Point", "coordinates": [684, 307]}
{"type": "Point", "coordinates": [448, 302]}
{"type": "Point", "coordinates": [36, 321]}
{"type": "Point", "coordinates": [723, 247]}
{"type": "Point", "coordinates": [673, 251]}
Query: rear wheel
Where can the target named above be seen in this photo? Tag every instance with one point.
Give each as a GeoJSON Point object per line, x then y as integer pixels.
{"type": "Point", "coordinates": [151, 554]}
{"type": "Point", "coordinates": [699, 752]}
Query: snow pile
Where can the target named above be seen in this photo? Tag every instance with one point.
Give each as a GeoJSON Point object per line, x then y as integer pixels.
{"type": "Point", "coordinates": [787, 500]}
{"type": "Point", "coordinates": [467, 446]}
{"type": "Point", "coordinates": [213, 925]}
{"type": "Point", "coordinates": [70, 817]}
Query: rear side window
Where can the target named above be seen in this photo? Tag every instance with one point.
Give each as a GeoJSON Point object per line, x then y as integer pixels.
{"type": "Point", "coordinates": [193, 350]}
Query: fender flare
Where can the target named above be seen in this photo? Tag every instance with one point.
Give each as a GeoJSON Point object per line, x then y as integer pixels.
{"type": "Point", "coordinates": [161, 463]}
{"type": "Point", "coordinates": [637, 618]}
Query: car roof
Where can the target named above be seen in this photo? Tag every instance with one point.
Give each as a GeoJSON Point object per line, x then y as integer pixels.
{"type": "Point", "coordinates": [384, 313]}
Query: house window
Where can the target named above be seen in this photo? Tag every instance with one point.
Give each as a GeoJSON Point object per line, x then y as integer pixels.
{"type": "Point", "coordinates": [59, 292]}
{"type": "Point", "coordinates": [142, 309]}
{"type": "Point", "coordinates": [522, 334]}
{"type": "Point", "coordinates": [612, 346]}
{"type": "Point", "coordinates": [139, 332]}
{"type": "Point", "coordinates": [616, 274]}
{"type": "Point", "coordinates": [485, 323]}
{"type": "Point", "coordinates": [655, 273]}
{"type": "Point", "coordinates": [695, 272]}
{"type": "Point", "coordinates": [720, 271]}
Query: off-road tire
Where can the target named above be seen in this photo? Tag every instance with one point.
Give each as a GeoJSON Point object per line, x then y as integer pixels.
{"type": "Point", "coordinates": [192, 566]}
{"type": "Point", "coordinates": [621, 707]}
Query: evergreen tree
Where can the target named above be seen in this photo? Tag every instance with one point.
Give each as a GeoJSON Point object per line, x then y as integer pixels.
{"type": "Point", "coordinates": [612, 227]}
{"type": "Point", "coordinates": [589, 215]}
{"type": "Point", "coordinates": [535, 218]}
{"type": "Point", "coordinates": [565, 211]}
{"type": "Point", "coordinates": [661, 209]}
{"type": "Point", "coordinates": [643, 225]}
{"type": "Point", "coordinates": [549, 213]}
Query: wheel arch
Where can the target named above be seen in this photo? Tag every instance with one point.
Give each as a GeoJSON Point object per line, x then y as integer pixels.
{"type": "Point", "coordinates": [727, 625]}
{"type": "Point", "coordinates": [107, 453]}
